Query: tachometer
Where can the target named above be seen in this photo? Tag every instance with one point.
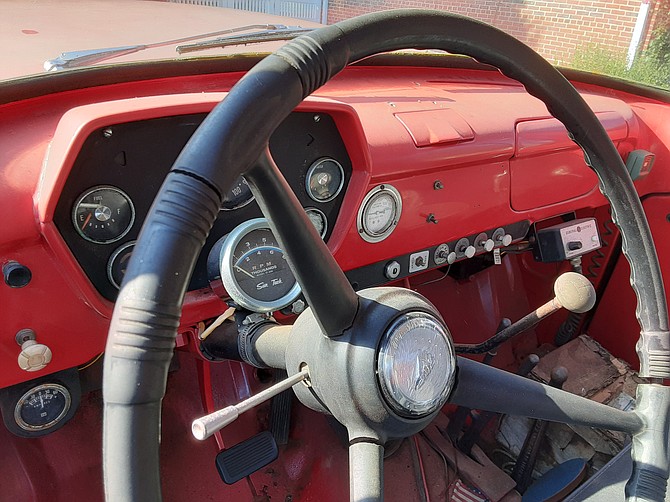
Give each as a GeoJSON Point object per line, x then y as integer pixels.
{"type": "Point", "coordinates": [254, 269]}
{"type": "Point", "coordinates": [103, 214]}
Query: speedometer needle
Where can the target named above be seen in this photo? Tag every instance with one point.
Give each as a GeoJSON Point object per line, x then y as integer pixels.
{"type": "Point", "coordinates": [242, 270]}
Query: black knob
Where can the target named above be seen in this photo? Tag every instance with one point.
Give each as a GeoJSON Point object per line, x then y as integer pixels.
{"type": "Point", "coordinates": [16, 275]}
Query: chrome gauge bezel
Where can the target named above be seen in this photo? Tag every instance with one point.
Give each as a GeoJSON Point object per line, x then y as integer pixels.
{"type": "Point", "coordinates": [321, 215]}
{"type": "Point", "coordinates": [88, 192]}
{"type": "Point", "coordinates": [371, 196]}
{"type": "Point", "coordinates": [226, 263]}
{"type": "Point", "coordinates": [23, 399]}
{"type": "Point", "coordinates": [113, 258]}
{"type": "Point", "coordinates": [310, 173]}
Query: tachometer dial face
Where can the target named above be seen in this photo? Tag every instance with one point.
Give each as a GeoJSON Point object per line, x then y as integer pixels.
{"type": "Point", "coordinates": [379, 213]}
{"type": "Point", "coordinates": [42, 407]}
{"type": "Point", "coordinates": [254, 269]}
{"type": "Point", "coordinates": [324, 180]}
{"type": "Point", "coordinates": [103, 214]}
{"type": "Point", "coordinates": [238, 196]}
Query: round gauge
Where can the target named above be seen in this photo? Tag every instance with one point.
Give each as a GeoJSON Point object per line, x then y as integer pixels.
{"type": "Point", "coordinates": [238, 196]}
{"type": "Point", "coordinates": [318, 219]}
{"type": "Point", "coordinates": [379, 213]}
{"type": "Point", "coordinates": [324, 180]}
{"type": "Point", "coordinates": [42, 407]}
{"type": "Point", "coordinates": [254, 269]}
{"type": "Point", "coordinates": [118, 262]}
{"type": "Point", "coordinates": [103, 214]}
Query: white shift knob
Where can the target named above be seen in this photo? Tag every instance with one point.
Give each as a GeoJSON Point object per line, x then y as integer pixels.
{"type": "Point", "coordinates": [34, 356]}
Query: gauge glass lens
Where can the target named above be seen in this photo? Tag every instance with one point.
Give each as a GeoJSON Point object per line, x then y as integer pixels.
{"type": "Point", "coordinates": [254, 268]}
{"type": "Point", "coordinates": [416, 364]}
{"type": "Point", "coordinates": [379, 214]}
{"type": "Point", "coordinates": [42, 407]}
{"type": "Point", "coordinates": [324, 180]}
{"type": "Point", "coordinates": [103, 215]}
{"type": "Point", "coordinates": [318, 219]}
{"type": "Point", "coordinates": [118, 263]}
{"type": "Point", "coordinates": [238, 196]}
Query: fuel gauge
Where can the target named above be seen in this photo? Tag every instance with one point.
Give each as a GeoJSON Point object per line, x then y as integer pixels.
{"type": "Point", "coordinates": [103, 214]}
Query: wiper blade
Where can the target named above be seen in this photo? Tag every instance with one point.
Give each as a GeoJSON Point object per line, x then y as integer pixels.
{"type": "Point", "coordinates": [76, 59]}
{"type": "Point", "coordinates": [281, 32]}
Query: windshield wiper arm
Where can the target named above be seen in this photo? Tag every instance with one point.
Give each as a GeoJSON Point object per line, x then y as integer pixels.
{"type": "Point", "coordinates": [280, 32]}
{"type": "Point", "coordinates": [75, 59]}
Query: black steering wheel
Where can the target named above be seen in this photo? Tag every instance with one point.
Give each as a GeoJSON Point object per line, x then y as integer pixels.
{"type": "Point", "coordinates": [343, 329]}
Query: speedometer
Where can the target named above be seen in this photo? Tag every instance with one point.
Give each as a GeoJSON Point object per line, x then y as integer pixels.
{"type": "Point", "coordinates": [254, 269]}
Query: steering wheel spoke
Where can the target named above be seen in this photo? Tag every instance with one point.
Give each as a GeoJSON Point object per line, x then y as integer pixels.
{"type": "Point", "coordinates": [366, 471]}
{"type": "Point", "coordinates": [484, 387]}
{"type": "Point", "coordinates": [323, 283]}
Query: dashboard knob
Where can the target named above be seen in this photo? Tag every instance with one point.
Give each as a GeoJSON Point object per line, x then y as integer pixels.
{"type": "Point", "coordinates": [451, 258]}
{"type": "Point", "coordinates": [489, 245]}
{"type": "Point", "coordinates": [34, 356]}
{"type": "Point", "coordinates": [392, 270]}
{"type": "Point", "coordinates": [470, 251]}
{"type": "Point", "coordinates": [506, 240]}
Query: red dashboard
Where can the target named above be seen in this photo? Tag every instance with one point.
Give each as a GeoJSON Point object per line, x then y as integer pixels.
{"type": "Point", "coordinates": [496, 155]}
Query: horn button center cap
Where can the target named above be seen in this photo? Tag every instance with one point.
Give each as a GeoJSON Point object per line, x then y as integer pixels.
{"type": "Point", "coordinates": [416, 364]}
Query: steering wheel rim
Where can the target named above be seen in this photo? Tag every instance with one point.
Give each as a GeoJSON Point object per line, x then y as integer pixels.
{"type": "Point", "coordinates": [147, 312]}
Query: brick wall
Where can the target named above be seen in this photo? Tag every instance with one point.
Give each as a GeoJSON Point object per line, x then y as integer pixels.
{"type": "Point", "coordinates": [553, 28]}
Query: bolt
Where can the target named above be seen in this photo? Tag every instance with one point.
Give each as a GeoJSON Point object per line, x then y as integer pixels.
{"type": "Point", "coordinates": [107, 133]}
{"type": "Point", "coordinates": [24, 335]}
{"type": "Point", "coordinates": [438, 185]}
{"type": "Point", "coordinates": [317, 118]}
{"type": "Point", "coordinates": [431, 218]}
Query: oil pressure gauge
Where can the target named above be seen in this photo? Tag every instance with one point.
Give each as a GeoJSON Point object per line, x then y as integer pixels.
{"type": "Point", "coordinates": [103, 214]}
{"type": "Point", "coordinates": [379, 213]}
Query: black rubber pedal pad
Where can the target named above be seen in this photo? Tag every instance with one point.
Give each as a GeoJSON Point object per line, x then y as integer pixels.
{"type": "Point", "coordinates": [246, 457]}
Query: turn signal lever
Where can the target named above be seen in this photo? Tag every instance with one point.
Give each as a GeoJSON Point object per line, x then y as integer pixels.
{"type": "Point", "coordinates": [204, 427]}
{"type": "Point", "coordinates": [573, 291]}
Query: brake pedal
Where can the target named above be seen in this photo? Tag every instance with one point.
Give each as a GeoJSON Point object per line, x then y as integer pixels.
{"type": "Point", "coordinates": [246, 457]}
{"type": "Point", "coordinates": [280, 412]}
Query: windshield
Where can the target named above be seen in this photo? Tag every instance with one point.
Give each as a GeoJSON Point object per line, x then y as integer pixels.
{"type": "Point", "coordinates": [629, 39]}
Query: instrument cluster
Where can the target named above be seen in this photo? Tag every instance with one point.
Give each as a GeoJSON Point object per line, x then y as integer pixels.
{"type": "Point", "coordinates": [120, 168]}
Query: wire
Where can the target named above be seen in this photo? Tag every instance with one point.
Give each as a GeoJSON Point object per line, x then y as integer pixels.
{"type": "Point", "coordinates": [91, 362]}
{"type": "Point", "coordinates": [437, 450]}
{"type": "Point", "coordinates": [435, 280]}
{"type": "Point", "coordinates": [218, 322]}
